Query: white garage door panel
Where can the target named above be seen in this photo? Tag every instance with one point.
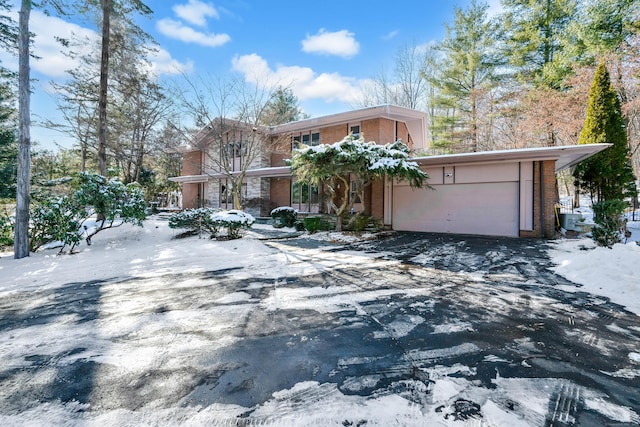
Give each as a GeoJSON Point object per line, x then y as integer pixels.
{"type": "Point", "coordinates": [487, 209]}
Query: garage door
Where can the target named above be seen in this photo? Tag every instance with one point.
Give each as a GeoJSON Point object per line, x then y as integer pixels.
{"type": "Point", "coordinates": [479, 208]}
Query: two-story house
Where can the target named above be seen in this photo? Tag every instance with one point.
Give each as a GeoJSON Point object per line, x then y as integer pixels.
{"type": "Point", "coordinates": [502, 193]}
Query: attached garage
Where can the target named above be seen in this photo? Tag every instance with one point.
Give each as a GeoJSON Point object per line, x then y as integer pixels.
{"type": "Point", "coordinates": [464, 199]}
{"type": "Point", "coordinates": [495, 193]}
{"type": "Point", "coordinates": [487, 209]}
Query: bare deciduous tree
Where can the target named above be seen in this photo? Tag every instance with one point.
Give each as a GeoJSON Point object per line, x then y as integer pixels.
{"type": "Point", "coordinates": [229, 117]}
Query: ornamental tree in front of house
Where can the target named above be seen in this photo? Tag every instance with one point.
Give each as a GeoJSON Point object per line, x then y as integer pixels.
{"type": "Point", "coordinates": [335, 165]}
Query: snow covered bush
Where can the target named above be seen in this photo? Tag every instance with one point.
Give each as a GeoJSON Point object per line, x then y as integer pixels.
{"type": "Point", "coordinates": [55, 219]}
{"type": "Point", "coordinates": [97, 204]}
{"type": "Point", "coordinates": [111, 198]}
{"type": "Point", "coordinates": [284, 216]}
{"type": "Point", "coordinates": [195, 221]}
{"type": "Point", "coordinates": [234, 221]}
{"type": "Point", "coordinates": [212, 221]}
{"type": "Point", "coordinates": [610, 223]}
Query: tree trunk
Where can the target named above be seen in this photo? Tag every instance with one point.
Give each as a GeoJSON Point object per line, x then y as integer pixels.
{"type": "Point", "coordinates": [104, 80]}
{"type": "Point", "coordinates": [21, 239]}
{"type": "Point", "coordinates": [343, 203]}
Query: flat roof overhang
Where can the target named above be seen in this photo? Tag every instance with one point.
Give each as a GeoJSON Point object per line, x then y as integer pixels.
{"type": "Point", "coordinates": [190, 179]}
{"type": "Point", "coordinates": [416, 121]}
{"type": "Point", "coordinates": [275, 172]}
{"type": "Point", "coordinates": [564, 156]}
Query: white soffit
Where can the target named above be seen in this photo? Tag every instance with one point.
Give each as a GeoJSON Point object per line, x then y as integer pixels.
{"type": "Point", "coordinates": [190, 179]}
{"type": "Point", "coordinates": [565, 156]}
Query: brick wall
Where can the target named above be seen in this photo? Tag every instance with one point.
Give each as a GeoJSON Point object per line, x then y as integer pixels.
{"type": "Point", "coordinates": [376, 198]}
{"type": "Point", "coordinates": [370, 129]}
{"type": "Point", "coordinates": [545, 197]}
{"type": "Point", "coordinates": [403, 134]}
{"type": "Point", "coordinates": [192, 163]}
{"type": "Point", "coordinates": [280, 192]}
{"type": "Point", "coordinates": [190, 195]}
{"type": "Point", "coordinates": [331, 134]}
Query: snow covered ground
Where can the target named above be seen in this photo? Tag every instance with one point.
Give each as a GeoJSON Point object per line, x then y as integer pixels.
{"type": "Point", "coordinates": [613, 273]}
{"type": "Point", "coordinates": [130, 338]}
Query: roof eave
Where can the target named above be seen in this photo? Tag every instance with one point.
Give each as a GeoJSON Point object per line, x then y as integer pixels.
{"type": "Point", "coordinates": [564, 156]}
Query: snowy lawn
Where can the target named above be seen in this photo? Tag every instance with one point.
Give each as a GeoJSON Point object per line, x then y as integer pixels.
{"type": "Point", "coordinates": [143, 329]}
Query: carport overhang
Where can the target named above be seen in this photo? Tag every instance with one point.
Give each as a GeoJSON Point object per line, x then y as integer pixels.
{"type": "Point", "coordinates": [190, 179]}
{"type": "Point", "coordinates": [274, 172]}
{"type": "Point", "coordinates": [564, 156]}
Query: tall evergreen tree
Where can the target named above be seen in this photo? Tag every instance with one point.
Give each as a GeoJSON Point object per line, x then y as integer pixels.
{"type": "Point", "coordinates": [466, 71]}
{"type": "Point", "coordinates": [8, 142]}
{"type": "Point", "coordinates": [608, 175]}
{"type": "Point", "coordinates": [282, 108]}
{"type": "Point", "coordinates": [607, 25]}
{"type": "Point", "coordinates": [535, 39]}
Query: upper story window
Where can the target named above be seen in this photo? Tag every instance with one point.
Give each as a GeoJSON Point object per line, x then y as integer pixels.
{"type": "Point", "coordinates": [306, 138]}
{"type": "Point", "coordinates": [236, 149]}
{"type": "Point", "coordinates": [315, 138]}
{"type": "Point", "coordinates": [354, 129]}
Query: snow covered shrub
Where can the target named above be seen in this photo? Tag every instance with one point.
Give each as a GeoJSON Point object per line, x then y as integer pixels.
{"type": "Point", "coordinates": [284, 216]}
{"type": "Point", "coordinates": [610, 223]}
{"type": "Point", "coordinates": [55, 219]}
{"type": "Point", "coordinates": [234, 221]}
{"type": "Point", "coordinates": [97, 204]}
{"type": "Point", "coordinates": [212, 221]}
{"type": "Point", "coordinates": [195, 221]}
{"type": "Point", "coordinates": [299, 225]}
{"type": "Point", "coordinates": [112, 198]}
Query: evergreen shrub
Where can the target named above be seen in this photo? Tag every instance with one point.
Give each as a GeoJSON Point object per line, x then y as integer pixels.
{"type": "Point", "coordinates": [195, 221]}
{"type": "Point", "coordinates": [284, 216]}
{"type": "Point", "coordinates": [212, 221]}
{"type": "Point", "coordinates": [96, 204]}
{"type": "Point", "coordinates": [610, 223]}
{"type": "Point", "coordinates": [314, 224]}
{"type": "Point", "coordinates": [6, 229]}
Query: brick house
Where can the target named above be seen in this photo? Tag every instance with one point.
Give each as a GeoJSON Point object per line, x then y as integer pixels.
{"type": "Point", "coordinates": [501, 193]}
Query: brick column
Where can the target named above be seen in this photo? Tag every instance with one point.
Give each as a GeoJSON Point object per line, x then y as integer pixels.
{"type": "Point", "coordinates": [545, 196]}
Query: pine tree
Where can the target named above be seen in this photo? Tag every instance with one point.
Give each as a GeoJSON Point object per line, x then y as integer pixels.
{"type": "Point", "coordinates": [535, 39]}
{"type": "Point", "coordinates": [464, 78]}
{"type": "Point", "coordinates": [608, 175]}
{"type": "Point", "coordinates": [282, 108]}
{"type": "Point", "coordinates": [8, 141]}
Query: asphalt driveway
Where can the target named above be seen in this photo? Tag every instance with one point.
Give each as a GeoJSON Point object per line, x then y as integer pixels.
{"type": "Point", "coordinates": [464, 330]}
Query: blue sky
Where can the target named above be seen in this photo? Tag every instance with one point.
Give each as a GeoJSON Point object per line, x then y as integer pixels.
{"type": "Point", "coordinates": [323, 50]}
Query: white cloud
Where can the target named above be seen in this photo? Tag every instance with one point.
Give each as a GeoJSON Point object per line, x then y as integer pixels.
{"type": "Point", "coordinates": [163, 63]}
{"type": "Point", "coordinates": [304, 82]}
{"type": "Point", "coordinates": [196, 12]}
{"type": "Point", "coordinates": [176, 30]}
{"type": "Point", "coordinates": [52, 62]}
{"type": "Point", "coordinates": [339, 43]}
